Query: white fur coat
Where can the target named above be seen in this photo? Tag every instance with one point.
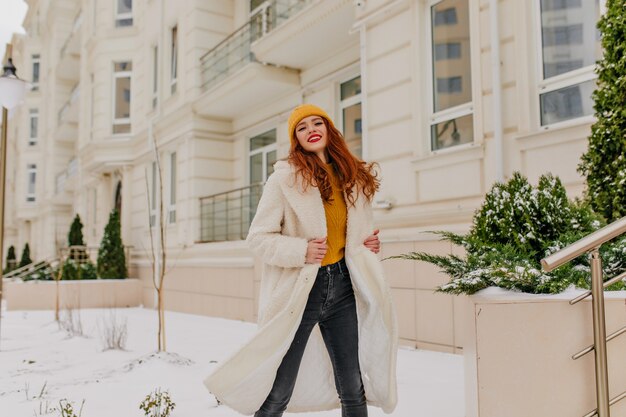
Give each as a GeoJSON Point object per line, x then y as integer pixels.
{"type": "Point", "coordinates": [286, 218]}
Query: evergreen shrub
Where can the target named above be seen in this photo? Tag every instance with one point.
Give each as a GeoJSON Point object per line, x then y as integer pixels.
{"type": "Point", "coordinates": [604, 163]}
{"type": "Point", "coordinates": [25, 260]}
{"type": "Point", "coordinates": [111, 257]}
{"type": "Point", "coordinates": [515, 228]}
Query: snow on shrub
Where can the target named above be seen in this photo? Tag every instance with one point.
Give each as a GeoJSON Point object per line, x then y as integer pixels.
{"type": "Point", "coordinates": [515, 228]}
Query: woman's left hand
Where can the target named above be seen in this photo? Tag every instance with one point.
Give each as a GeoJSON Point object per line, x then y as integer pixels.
{"type": "Point", "coordinates": [372, 243]}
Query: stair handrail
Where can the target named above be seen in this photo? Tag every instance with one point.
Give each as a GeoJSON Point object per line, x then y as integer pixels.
{"type": "Point", "coordinates": [591, 244]}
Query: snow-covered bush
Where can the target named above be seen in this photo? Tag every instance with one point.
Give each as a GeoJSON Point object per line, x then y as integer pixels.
{"type": "Point", "coordinates": [73, 269]}
{"type": "Point", "coordinates": [157, 404]}
{"type": "Point", "coordinates": [515, 228]}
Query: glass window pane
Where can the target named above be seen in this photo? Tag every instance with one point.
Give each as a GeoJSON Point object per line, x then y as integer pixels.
{"type": "Point", "coordinates": [351, 88]}
{"type": "Point", "coordinates": [34, 125]}
{"type": "Point", "coordinates": [124, 6]}
{"type": "Point", "coordinates": [173, 178]}
{"type": "Point", "coordinates": [256, 3]}
{"type": "Point", "coordinates": [567, 103]}
{"type": "Point", "coordinates": [452, 73]}
{"type": "Point", "coordinates": [35, 72]}
{"type": "Point", "coordinates": [271, 159]}
{"type": "Point", "coordinates": [352, 128]}
{"type": "Point", "coordinates": [121, 128]}
{"type": "Point", "coordinates": [445, 16]}
{"type": "Point", "coordinates": [452, 132]}
{"type": "Point", "coordinates": [570, 39]}
{"type": "Point", "coordinates": [256, 168]}
{"type": "Point", "coordinates": [449, 50]}
{"type": "Point", "coordinates": [123, 66]}
{"type": "Point", "coordinates": [122, 97]}
{"type": "Point", "coordinates": [264, 139]}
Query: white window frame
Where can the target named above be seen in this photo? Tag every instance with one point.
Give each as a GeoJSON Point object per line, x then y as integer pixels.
{"type": "Point", "coordinates": [264, 150]}
{"type": "Point", "coordinates": [36, 60]}
{"type": "Point", "coordinates": [174, 47]}
{"type": "Point", "coordinates": [92, 106]}
{"type": "Point", "coordinates": [173, 179]}
{"type": "Point", "coordinates": [123, 16]}
{"type": "Point", "coordinates": [568, 79]}
{"type": "Point", "coordinates": [153, 193]}
{"type": "Point", "coordinates": [33, 115]}
{"type": "Point", "coordinates": [451, 113]}
{"type": "Point", "coordinates": [125, 120]}
{"type": "Point", "coordinates": [155, 76]}
{"type": "Point", "coordinates": [31, 197]}
{"type": "Point", "coordinates": [351, 101]}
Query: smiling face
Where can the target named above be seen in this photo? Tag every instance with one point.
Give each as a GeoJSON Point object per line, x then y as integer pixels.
{"type": "Point", "coordinates": [312, 135]}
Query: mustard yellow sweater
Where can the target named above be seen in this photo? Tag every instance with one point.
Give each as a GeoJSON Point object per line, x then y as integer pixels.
{"type": "Point", "coordinates": [336, 218]}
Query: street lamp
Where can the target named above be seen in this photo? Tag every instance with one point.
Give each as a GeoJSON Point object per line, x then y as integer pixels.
{"type": "Point", "coordinates": [12, 91]}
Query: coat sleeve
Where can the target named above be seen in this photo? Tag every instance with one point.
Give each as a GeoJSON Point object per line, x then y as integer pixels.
{"type": "Point", "coordinates": [265, 238]}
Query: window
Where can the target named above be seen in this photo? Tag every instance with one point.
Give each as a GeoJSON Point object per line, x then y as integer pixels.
{"type": "Point", "coordinates": [36, 67]}
{"type": "Point", "coordinates": [31, 180]}
{"type": "Point", "coordinates": [448, 50]}
{"type": "Point", "coordinates": [174, 57]}
{"type": "Point", "coordinates": [153, 196]}
{"type": "Point", "coordinates": [451, 120]}
{"type": "Point", "coordinates": [172, 203]}
{"type": "Point", "coordinates": [121, 99]}
{"type": "Point", "coordinates": [449, 85]}
{"type": "Point", "coordinates": [570, 46]}
{"type": "Point", "coordinates": [155, 76]}
{"type": "Point", "coordinates": [124, 13]}
{"type": "Point", "coordinates": [547, 5]}
{"type": "Point", "coordinates": [445, 16]}
{"type": "Point", "coordinates": [262, 156]}
{"type": "Point", "coordinates": [34, 127]}
{"type": "Point", "coordinates": [350, 105]}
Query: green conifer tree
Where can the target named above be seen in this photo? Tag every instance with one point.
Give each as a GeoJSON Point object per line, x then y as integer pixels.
{"type": "Point", "coordinates": [111, 257]}
{"type": "Point", "coordinates": [75, 238]}
{"type": "Point", "coordinates": [25, 256]}
{"type": "Point", "coordinates": [604, 163]}
{"type": "Point", "coordinates": [11, 260]}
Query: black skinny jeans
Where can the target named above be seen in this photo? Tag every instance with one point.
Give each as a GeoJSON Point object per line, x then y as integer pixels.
{"type": "Point", "coordinates": [331, 304]}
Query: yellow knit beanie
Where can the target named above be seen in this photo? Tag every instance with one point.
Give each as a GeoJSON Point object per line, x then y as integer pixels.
{"type": "Point", "coordinates": [302, 111]}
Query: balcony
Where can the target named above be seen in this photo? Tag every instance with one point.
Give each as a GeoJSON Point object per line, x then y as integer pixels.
{"type": "Point", "coordinates": [227, 216]}
{"type": "Point", "coordinates": [65, 183]}
{"type": "Point", "coordinates": [234, 81]}
{"type": "Point", "coordinates": [68, 67]}
{"type": "Point", "coordinates": [296, 30]}
{"type": "Point", "coordinates": [67, 118]}
{"type": "Point", "coordinates": [105, 156]}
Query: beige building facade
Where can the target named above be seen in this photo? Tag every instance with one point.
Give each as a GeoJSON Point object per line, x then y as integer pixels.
{"type": "Point", "coordinates": [212, 82]}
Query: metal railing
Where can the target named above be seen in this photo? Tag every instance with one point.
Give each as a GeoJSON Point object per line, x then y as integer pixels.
{"type": "Point", "coordinates": [31, 268]}
{"type": "Point", "coordinates": [234, 52]}
{"type": "Point", "coordinates": [74, 94]}
{"type": "Point", "coordinates": [78, 20]}
{"type": "Point", "coordinates": [591, 244]}
{"type": "Point", "coordinates": [227, 216]}
{"type": "Point", "coordinates": [63, 176]}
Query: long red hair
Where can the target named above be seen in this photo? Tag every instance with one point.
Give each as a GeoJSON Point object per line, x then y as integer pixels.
{"type": "Point", "coordinates": [350, 169]}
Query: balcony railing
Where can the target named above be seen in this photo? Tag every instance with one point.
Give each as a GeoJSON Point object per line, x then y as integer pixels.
{"type": "Point", "coordinates": [78, 20]}
{"type": "Point", "coordinates": [227, 216]}
{"type": "Point", "coordinates": [74, 94]}
{"type": "Point", "coordinates": [62, 177]}
{"type": "Point", "coordinates": [234, 52]}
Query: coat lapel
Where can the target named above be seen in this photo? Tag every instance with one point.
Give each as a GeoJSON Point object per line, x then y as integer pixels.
{"type": "Point", "coordinates": [306, 203]}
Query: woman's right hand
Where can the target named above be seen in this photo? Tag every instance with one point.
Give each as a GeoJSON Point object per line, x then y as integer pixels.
{"type": "Point", "coordinates": [316, 250]}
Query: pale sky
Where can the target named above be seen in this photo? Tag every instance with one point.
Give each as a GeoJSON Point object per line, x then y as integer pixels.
{"type": "Point", "coordinates": [11, 17]}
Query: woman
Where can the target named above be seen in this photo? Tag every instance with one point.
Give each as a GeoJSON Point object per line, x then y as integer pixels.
{"type": "Point", "coordinates": [327, 328]}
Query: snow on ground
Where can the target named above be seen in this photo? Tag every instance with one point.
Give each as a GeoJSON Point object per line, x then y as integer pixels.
{"type": "Point", "coordinates": [41, 364]}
